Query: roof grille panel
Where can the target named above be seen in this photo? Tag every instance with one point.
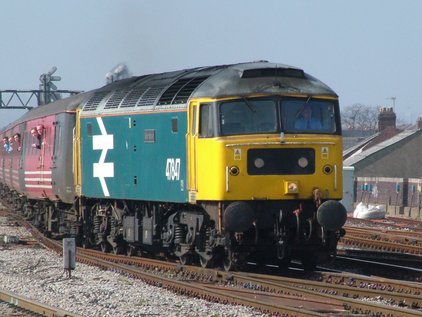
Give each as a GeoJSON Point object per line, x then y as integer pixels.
{"type": "Point", "coordinates": [116, 98]}
{"type": "Point", "coordinates": [184, 93]}
{"type": "Point", "coordinates": [132, 98]}
{"type": "Point", "coordinates": [180, 91]}
{"type": "Point", "coordinates": [94, 101]}
{"type": "Point", "coordinates": [168, 96]}
{"type": "Point", "coordinates": [150, 95]}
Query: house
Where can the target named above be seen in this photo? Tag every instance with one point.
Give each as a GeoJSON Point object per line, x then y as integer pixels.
{"type": "Point", "coordinates": [387, 166]}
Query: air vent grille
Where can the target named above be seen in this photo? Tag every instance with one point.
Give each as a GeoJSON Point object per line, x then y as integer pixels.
{"type": "Point", "coordinates": [169, 94]}
{"type": "Point", "coordinates": [116, 98]}
{"type": "Point", "coordinates": [181, 90]}
{"type": "Point", "coordinates": [94, 101]}
{"type": "Point", "coordinates": [132, 98]}
{"type": "Point", "coordinates": [184, 93]}
{"type": "Point", "coordinates": [150, 95]}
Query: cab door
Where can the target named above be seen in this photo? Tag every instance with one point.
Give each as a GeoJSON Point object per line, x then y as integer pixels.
{"type": "Point", "coordinates": [192, 136]}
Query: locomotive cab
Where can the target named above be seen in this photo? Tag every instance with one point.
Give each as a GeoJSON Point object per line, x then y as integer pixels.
{"type": "Point", "coordinates": [263, 174]}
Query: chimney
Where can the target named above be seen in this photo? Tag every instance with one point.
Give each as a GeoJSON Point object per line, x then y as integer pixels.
{"type": "Point", "coordinates": [386, 118]}
{"type": "Point", "coordinates": [419, 123]}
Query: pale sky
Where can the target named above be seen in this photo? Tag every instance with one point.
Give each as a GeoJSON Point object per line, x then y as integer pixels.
{"type": "Point", "coordinates": [367, 51]}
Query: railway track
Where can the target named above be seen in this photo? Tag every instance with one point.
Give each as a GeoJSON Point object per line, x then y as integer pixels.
{"type": "Point", "coordinates": [380, 241]}
{"type": "Point", "coordinates": [393, 224]}
{"type": "Point", "coordinates": [320, 294]}
{"type": "Point", "coordinates": [26, 307]}
{"type": "Point", "coordinates": [407, 261]}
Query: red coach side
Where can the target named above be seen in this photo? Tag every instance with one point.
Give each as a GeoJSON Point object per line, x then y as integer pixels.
{"type": "Point", "coordinates": [37, 162]}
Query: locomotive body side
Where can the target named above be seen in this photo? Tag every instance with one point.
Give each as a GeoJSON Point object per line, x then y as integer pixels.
{"type": "Point", "coordinates": [134, 156]}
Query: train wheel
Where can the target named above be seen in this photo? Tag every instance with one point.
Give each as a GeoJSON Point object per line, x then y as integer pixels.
{"type": "Point", "coordinates": [185, 259]}
{"type": "Point", "coordinates": [309, 263]}
{"type": "Point", "coordinates": [104, 247]}
{"type": "Point", "coordinates": [228, 261]}
{"type": "Point", "coordinates": [284, 256]}
{"type": "Point", "coordinates": [85, 244]}
{"type": "Point", "coordinates": [283, 264]}
{"type": "Point", "coordinates": [205, 263]}
{"type": "Point", "coordinates": [130, 251]}
{"type": "Point", "coordinates": [118, 250]}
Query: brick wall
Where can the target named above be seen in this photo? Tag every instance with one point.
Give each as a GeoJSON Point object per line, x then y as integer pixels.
{"type": "Point", "coordinates": [415, 193]}
{"type": "Point", "coordinates": [401, 196]}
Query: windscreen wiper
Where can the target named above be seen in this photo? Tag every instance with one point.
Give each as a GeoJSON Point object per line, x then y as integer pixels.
{"type": "Point", "coordinates": [246, 101]}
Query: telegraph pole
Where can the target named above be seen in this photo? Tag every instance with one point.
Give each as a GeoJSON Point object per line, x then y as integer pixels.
{"type": "Point", "coordinates": [394, 103]}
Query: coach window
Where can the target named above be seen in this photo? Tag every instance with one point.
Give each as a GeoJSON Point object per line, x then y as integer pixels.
{"type": "Point", "coordinates": [206, 126]}
{"type": "Point", "coordinates": [37, 138]}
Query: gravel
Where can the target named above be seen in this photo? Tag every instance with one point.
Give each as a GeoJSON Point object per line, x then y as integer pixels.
{"type": "Point", "coordinates": [38, 274]}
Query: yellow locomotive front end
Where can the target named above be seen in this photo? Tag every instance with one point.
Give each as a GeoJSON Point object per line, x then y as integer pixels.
{"type": "Point", "coordinates": [268, 170]}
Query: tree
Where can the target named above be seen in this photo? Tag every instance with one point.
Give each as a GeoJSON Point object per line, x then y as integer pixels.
{"type": "Point", "coordinates": [359, 117]}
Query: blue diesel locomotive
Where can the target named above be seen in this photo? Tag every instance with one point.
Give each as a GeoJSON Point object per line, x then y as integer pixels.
{"type": "Point", "coordinates": [201, 164]}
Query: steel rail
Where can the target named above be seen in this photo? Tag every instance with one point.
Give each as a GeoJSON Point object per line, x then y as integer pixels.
{"type": "Point", "coordinates": [381, 245]}
{"type": "Point", "coordinates": [34, 306]}
{"type": "Point", "coordinates": [351, 304]}
{"type": "Point", "coordinates": [198, 290]}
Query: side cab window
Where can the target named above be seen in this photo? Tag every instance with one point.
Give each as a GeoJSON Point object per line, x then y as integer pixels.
{"type": "Point", "coordinates": [206, 121]}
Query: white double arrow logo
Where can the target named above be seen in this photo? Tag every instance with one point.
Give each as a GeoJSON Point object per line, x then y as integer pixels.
{"type": "Point", "coordinates": [103, 142]}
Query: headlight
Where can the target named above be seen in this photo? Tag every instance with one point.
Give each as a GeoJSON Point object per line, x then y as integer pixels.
{"type": "Point", "coordinates": [303, 162]}
{"type": "Point", "coordinates": [259, 163]}
{"type": "Point", "coordinates": [291, 187]}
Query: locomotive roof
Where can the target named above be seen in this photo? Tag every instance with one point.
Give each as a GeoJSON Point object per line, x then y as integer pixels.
{"type": "Point", "coordinates": [172, 90]}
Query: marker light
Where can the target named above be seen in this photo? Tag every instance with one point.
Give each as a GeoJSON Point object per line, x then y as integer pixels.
{"type": "Point", "coordinates": [327, 169]}
{"type": "Point", "coordinates": [234, 170]}
{"type": "Point", "coordinates": [303, 162]}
